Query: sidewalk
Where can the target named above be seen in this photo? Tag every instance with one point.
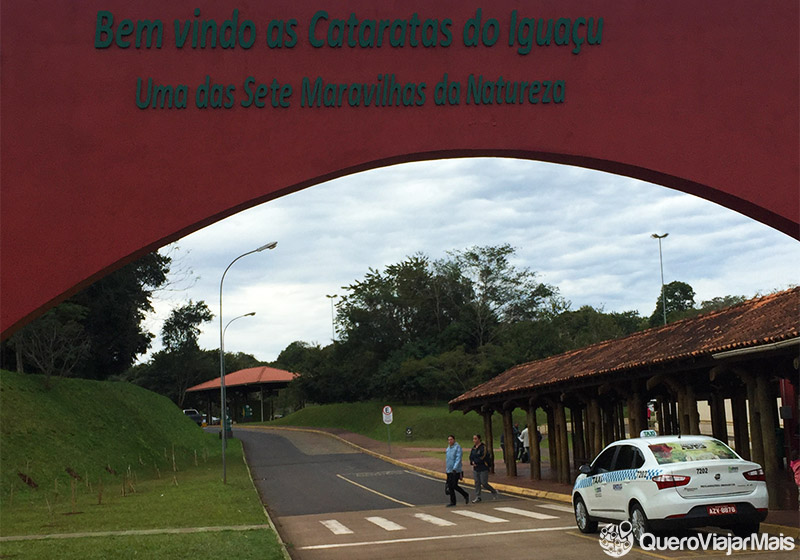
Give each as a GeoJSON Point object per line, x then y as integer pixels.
{"type": "Point", "coordinates": [778, 521]}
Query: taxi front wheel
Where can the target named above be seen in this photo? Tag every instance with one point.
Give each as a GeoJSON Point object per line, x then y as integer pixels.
{"type": "Point", "coordinates": [639, 522]}
{"type": "Point", "coordinates": [585, 523]}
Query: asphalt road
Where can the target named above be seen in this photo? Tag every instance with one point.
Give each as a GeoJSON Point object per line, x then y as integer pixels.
{"type": "Point", "coordinates": [330, 502]}
{"type": "Point", "coordinates": [300, 473]}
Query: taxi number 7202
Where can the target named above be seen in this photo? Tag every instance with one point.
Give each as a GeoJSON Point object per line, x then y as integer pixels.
{"type": "Point", "coordinates": [702, 470]}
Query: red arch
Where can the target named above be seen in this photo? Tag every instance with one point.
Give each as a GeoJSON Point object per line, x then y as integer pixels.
{"type": "Point", "coordinates": [701, 97]}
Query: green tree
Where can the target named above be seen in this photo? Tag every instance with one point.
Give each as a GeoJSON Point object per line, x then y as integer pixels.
{"type": "Point", "coordinates": [679, 298]}
{"type": "Point", "coordinates": [717, 303]}
{"type": "Point", "coordinates": [500, 293]}
{"type": "Point", "coordinates": [182, 359]}
{"type": "Point", "coordinates": [116, 306]}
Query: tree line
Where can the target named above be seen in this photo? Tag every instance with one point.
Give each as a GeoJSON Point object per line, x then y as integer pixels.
{"type": "Point", "coordinates": [418, 330]}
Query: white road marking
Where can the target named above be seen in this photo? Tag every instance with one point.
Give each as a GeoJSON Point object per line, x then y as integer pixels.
{"type": "Point", "coordinates": [555, 507]}
{"type": "Point", "coordinates": [436, 538]}
{"type": "Point", "coordinates": [375, 492]}
{"type": "Point", "coordinates": [480, 516]}
{"type": "Point", "coordinates": [425, 476]}
{"type": "Point", "coordinates": [433, 519]}
{"type": "Point", "coordinates": [526, 513]}
{"type": "Point", "coordinates": [336, 528]}
{"type": "Point", "coordinates": [384, 523]}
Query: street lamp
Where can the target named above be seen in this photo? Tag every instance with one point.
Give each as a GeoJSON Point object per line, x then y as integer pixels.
{"type": "Point", "coordinates": [333, 332]}
{"type": "Point", "coordinates": [661, 260]}
{"type": "Point", "coordinates": [222, 422]}
{"type": "Point", "coordinates": [223, 405]}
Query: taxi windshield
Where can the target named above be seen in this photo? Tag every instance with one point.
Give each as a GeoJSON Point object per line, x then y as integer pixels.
{"type": "Point", "coordinates": [681, 451]}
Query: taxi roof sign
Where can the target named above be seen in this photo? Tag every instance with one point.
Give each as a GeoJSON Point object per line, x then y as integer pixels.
{"type": "Point", "coordinates": [648, 433]}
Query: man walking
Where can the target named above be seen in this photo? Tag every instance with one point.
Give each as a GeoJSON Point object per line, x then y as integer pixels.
{"type": "Point", "coordinates": [480, 458]}
{"type": "Point", "coordinates": [454, 470]}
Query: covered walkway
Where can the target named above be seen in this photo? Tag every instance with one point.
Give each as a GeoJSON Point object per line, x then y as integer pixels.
{"type": "Point", "coordinates": [257, 385]}
{"type": "Point", "coordinates": [742, 362]}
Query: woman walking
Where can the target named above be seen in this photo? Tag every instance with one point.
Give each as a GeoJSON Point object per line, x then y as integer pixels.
{"type": "Point", "coordinates": [454, 470]}
{"type": "Point", "coordinates": [480, 459]}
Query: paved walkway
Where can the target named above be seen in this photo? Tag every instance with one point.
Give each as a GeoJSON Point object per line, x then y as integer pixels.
{"type": "Point", "coordinates": [167, 531]}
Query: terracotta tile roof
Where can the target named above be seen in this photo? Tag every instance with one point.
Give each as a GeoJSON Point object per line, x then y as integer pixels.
{"type": "Point", "coordinates": [250, 376]}
{"type": "Point", "coordinates": [759, 321]}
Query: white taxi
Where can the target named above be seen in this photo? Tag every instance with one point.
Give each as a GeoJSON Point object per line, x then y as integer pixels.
{"type": "Point", "coordinates": [661, 482]}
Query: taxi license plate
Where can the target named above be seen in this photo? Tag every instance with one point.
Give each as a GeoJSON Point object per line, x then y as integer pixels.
{"type": "Point", "coordinates": [721, 510]}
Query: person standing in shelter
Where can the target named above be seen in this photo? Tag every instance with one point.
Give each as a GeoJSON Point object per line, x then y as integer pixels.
{"type": "Point", "coordinates": [526, 445]}
{"type": "Point", "coordinates": [454, 470]}
{"type": "Point", "coordinates": [480, 458]}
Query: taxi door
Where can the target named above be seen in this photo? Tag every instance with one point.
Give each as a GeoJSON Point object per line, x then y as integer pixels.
{"type": "Point", "coordinates": [597, 494]}
{"type": "Point", "coordinates": [622, 480]}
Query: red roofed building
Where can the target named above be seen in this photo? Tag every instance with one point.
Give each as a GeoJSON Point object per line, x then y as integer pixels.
{"type": "Point", "coordinates": [240, 386]}
{"type": "Point", "coordinates": [744, 358]}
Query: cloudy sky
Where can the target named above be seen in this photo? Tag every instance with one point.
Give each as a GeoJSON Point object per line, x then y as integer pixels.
{"type": "Point", "coordinates": [586, 232]}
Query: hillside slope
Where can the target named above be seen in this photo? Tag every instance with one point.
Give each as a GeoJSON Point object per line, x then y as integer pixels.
{"type": "Point", "coordinates": [87, 426]}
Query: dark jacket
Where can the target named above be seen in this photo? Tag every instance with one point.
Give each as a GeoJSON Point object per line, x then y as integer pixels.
{"type": "Point", "coordinates": [480, 458]}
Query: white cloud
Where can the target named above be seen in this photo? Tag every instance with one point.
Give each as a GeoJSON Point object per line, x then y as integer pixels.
{"type": "Point", "coordinates": [584, 231]}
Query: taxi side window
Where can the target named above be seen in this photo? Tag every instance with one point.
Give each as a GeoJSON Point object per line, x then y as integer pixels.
{"type": "Point", "coordinates": [625, 458]}
{"type": "Point", "coordinates": [605, 460]}
{"type": "Point", "coordinates": [638, 459]}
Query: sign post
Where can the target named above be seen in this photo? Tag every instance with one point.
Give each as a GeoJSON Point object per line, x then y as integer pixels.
{"type": "Point", "coordinates": [387, 419]}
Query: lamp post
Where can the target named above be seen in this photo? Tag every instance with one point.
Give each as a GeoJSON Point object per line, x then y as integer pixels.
{"type": "Point", "coordinates": [333, 331]}
{"type": "Point", "coordinates": [223, 422]}
{"type": "Point", "coordinates": [661, 260]}
{"type": "Point", "coordinates": [223, 405]}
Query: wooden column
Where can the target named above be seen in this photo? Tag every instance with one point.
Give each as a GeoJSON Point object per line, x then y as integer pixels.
{"type": "Point", "coordinates": [578, 437]}
{"type": "Point", "coordinates": [687, 408]}
{"type": "Point", "coordinates": [769, 421]}
{"type": "Point", "coordinates": [640, 412]}
{"type": "Point", "coordinates": [563, 443]}
{"type": "Point", "coordinates": [552, 440]}
{"type": "Point", "coordinates": [508, 444]}
{"type": "Point", "coordinates": [597, 436]}
{"type": "Point", "coordinates": [609, 418]}
{"type": "Point", "coordinates": [741, 437]}
{"type": "Point", "coordinates": [719, 421]}
{"type": "Point", "coordinates": [694, 415]}
{"type": "Point", "coordinates": [756, 442]}
{"type": "Point", "coordinates": [620, 432]}
{"type": "Point", "coordinates": [533, 436]}
{"type": "Point", "coordinates": [488, 438]}
{"type": "Point", "coordinates": [682, 411]}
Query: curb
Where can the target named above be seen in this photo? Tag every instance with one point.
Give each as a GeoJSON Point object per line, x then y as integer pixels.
{"type": "Point", "coordinates": [772, 529]}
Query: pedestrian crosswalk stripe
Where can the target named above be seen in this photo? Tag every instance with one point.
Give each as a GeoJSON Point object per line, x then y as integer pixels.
{"type": "Point", "coordinates": [555, 507]}
{"type": "Point", "coordinates": [336, 528]}
{"type": "Point", "coordinates": [384, 523]}
{"type": "Point", "coordinates": [433, 519]}
{"type": "Point", "coordinates": [526, 513]}
{"type": "Point", "coordinates": [480, 516]}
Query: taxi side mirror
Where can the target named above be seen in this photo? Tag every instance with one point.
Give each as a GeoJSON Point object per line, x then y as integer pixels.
{"type": "Point", "coordinates": [585, 469]}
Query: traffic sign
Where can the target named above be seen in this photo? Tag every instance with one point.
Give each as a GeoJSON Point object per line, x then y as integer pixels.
{"type": "Point", "coordinates": [387, 414]}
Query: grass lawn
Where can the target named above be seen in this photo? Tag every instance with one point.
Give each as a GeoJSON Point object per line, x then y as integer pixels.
{"type": "Point", "coordinates": [256, 544]}
{"type": "Point", "coordinates": [83, 456]}
{"type": "Point", "coordinates": [430, 425]}
{"type": "Point", "coordinates": [192, 497]}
